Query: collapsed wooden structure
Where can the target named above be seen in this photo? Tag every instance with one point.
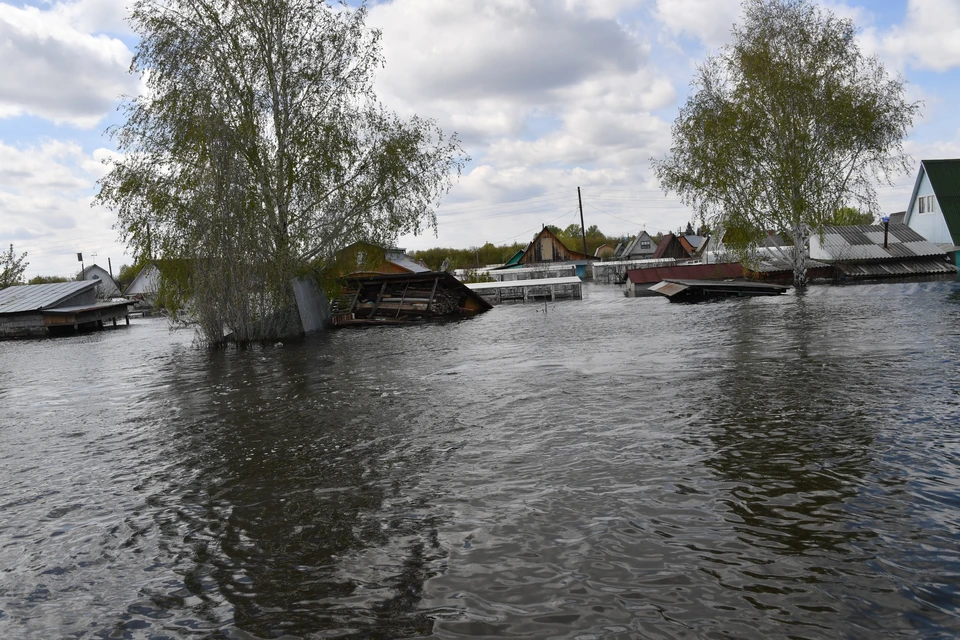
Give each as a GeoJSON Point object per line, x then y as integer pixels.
{"type": "Point", "coordinates": [697, 290]}
{"type": "Point", "coordinates": [374, 299]}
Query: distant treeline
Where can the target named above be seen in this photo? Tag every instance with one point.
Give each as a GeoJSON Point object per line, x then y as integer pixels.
{"type": "Point", "coordinates": [490, 253]}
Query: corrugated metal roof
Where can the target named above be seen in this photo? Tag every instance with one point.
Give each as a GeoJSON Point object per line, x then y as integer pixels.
{"type": "Point", "coordinates": [897, 218]}
{"type": "Point", "coordinates": [408, 264]}
{"type": "Point", "coordinates": [686, 271]}
{"type": "Point", "coordinates": [895, 268]}
{"type": "Point", "coordinates": [865, 242]}
{"type": "Point", "coordinates": [107, 304]}
{"type": "Point", "coordinates": [944, 177]}
{"type": "Point", "coordinates": [33, 297]}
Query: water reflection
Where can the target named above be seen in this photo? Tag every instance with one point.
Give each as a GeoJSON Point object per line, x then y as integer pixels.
{"type": "Point", "coordinates": [800, 429]}
{"type": "Point", "coordinates": [292, 473]}
{"type": "Point", "coordinates": [787, 432]}
{"type": "Point", "coordinates": [615, 467]}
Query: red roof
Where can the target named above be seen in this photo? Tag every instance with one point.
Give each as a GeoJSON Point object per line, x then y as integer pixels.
{"type": "Point", "coordinates": [686, 272]}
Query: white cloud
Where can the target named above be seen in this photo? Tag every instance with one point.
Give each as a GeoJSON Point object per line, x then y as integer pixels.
{"type": "Point", "coordinates": [603, 9]}
{"type": "Point", "coordinates": [45, 195]}
{"type": "Point", "coordinates": [545, 95]}
{"type": "Point", "coordinates": [478, 49]}
{"type": "Point", "coordinates": [589, 138]}
{"type": "Point", "coordinates": [928, 39]}
{"type": "Point", "coordinates": [708, 21]}
{"type": "Point", "coordinates": [94, 16]}
{"type": "Point", "coordinates": [57, 72]}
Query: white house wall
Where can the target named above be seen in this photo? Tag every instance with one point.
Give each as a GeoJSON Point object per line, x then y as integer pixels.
{"type": "Point", "coordinates": [146, 283]}
{"type": "Point", "coordinates": [108, 287]}
{"type": "Point", "coordinates": [932, 225]}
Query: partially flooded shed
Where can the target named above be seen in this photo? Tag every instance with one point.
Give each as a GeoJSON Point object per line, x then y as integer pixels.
{"type": "Point", "coordinates": [403, 297]}
{"type": "Point", "coordinates": [51, 309]}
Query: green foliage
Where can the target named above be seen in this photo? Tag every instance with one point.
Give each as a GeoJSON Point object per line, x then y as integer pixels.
{"type": "Point", "coordinates": [467, 258]}
{"type": "Point", "coordinates": [128, 272]}
{"type": "Point", "coordinates": [476, 257]}
{"type": "Point", "coordinates": [784, 123]}
{"type": "Point", "coordinates": [572, 238]}
{"type": "Point", "coordinates": [12, 268]}
{"type": "Point", "coordinates": [847, 216]}
{"type": "Point", "coordinates": [47, 280]}
{"type": "Point", "coordinates": [261, 149]}
{"type": "Point", "coordinates": [476, 276]}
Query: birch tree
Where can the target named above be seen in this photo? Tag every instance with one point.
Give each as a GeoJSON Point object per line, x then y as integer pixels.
{"type": "Point", "coordinates": [12, 267]}
{"type": "Point", "coordinates": [258, 149]}
{"type": "Point", "coordinates": [785, 125]}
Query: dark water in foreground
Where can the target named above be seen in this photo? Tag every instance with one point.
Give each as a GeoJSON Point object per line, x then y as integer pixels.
{"type": "Point", "coordinates": [612, 468]}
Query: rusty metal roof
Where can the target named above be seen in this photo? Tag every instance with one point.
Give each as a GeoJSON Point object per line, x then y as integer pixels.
{"type": "Point", "coordinates": [686, 271]}
{"type": "Point", "coordinates": [34, 297]}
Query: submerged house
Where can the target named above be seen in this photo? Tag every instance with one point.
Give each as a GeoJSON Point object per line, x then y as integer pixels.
{"type": "Point", "coordinates": [381, 285]}
{"type": "Point", "coordinates": [642, 247]}
{"type": "Point", "coordinates": [56, 309]}
{"type": "Point", "coordinates": [693, 244]}
{"type": "Point", "coordinates": [604, 251]}
{"type": "Point", "coordinates": [639, 281]}
{"type": "Point", "coordinates": [395, 298]}
{"type": "Point", "coordinates": [368, 258]}
{"type": "Point", "coordinates": [878, 251]}
{"type": "Point", "coordinates": [145, 285]}
{"type": "Point", "coordinates": [547, 248]}
{"type": "Point", "coordinates": [108, 286]}
{"type": "Point", "coordinates": [671, 247]}
{"type": "Point", "coordinates": [934, 207]}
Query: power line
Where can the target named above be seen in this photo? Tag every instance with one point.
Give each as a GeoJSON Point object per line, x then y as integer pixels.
{"type": "Point", "coordinates": [546, 206]}
{"type": "Point", "coordinates": [452, 209]}
{"type": "Point", "coordinates": [522, 233]}
{"type": "Point", "coordinates": [643, 224]}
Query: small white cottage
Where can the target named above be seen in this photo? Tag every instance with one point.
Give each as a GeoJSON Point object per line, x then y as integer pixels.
{"type": "Point", "coordinates": [146, 284]}
{"type": "Point", "coordinates": [108, 286]}
{"type": "Point", "coordinates": [643, 246]}
{"type": "Point", "coordinates": [934, 207]}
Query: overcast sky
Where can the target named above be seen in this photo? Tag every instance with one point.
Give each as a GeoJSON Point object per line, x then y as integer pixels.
{"type": "Point", "coordinates": [547, 95]}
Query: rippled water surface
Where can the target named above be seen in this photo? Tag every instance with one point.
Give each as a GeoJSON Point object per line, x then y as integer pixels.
{"type": "Point", "coordinates": [611, 468]}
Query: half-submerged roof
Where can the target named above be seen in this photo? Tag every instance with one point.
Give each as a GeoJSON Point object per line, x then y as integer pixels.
{"type": "Point", "coordinates": [36, 297]}
{"type": "Point", "coordinates": [865, 242]}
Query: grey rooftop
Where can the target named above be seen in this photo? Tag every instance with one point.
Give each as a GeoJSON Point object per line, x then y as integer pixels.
{"type": "Point", "coordinates": [35, 297]}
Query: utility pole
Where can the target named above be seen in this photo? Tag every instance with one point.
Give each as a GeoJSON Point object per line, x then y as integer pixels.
{"type": "Point", "coordinates": [583, 229]}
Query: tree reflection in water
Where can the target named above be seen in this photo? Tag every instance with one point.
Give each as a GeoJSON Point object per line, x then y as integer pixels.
{"type": "Point", "coordinates": [292, 474]}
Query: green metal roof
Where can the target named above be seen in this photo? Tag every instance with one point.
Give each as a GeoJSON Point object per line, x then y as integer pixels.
{"type": "Point", "coordinates": [515, 259]}
{"type": "Point", "coordinates": [944, 177]}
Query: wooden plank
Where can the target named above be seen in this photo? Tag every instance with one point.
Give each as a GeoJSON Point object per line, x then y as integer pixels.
{"type": "Point", "coordinates": [356, 297]}
{"type": "Point", "coordinates": [402, 298]}
{"type": "Point", "coordinates": [433, 293]}
{"type": "Point", "coordinates": [379, 300]}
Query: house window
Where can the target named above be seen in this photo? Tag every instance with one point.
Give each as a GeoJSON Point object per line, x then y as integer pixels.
{"type": "Point", "coordinates": [926, 204]}
{"type": "Point", "coordinates": [644, 244]}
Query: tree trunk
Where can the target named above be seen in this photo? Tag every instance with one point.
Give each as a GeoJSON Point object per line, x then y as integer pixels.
{"type": "Point", "coordinates": [799, 257]}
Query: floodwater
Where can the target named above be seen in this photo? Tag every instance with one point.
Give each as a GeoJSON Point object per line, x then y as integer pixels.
{"type": "Point", "coordinates": [613, 468]}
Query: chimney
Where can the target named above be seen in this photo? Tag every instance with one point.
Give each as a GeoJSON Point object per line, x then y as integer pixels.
{"type": "Point", "coordinates": [886, 230]}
